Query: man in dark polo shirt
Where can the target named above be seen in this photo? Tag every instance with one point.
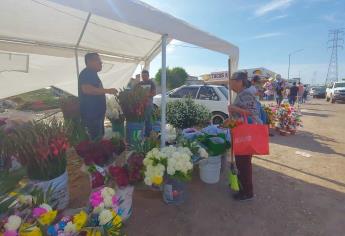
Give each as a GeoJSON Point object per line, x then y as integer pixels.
{"type": "Point", "coordinates": [92, 96]}
{"type": "Point", "coordinates": [148, 84]}
{"type": "Point", "coordinates": [293, 94]}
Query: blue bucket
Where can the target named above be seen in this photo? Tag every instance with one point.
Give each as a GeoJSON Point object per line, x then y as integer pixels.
{"type": "Point", "coordinates": [135, 132]}
{"type": "Point", "coordinates": [174, 191]}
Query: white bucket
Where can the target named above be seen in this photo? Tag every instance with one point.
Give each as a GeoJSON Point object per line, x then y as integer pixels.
{"type": "Point", "coordinates": [126, 201]}
{"type": "Point", "coordinates": [60, 196]}
{"type": "Point", "coordinates": [210, 169]}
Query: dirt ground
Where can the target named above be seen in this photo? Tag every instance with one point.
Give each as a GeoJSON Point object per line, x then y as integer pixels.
{"type": "Point", "coordinates": [295, 194]}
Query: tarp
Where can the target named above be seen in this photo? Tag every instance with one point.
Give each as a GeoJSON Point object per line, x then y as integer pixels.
{"type": "Point", "coordinates": [125, 32]}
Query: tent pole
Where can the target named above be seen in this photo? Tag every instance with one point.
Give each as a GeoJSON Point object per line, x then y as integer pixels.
{"type": "Point", "coordinates": [164, 89]}
{"type": "Point", "coordinates": [78, 42]}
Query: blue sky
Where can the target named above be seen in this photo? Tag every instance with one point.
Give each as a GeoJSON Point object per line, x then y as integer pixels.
{"type": "Point", "coordinates": [266, 32]}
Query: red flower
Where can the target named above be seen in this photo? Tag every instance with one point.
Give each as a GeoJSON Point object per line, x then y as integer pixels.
{"type": "Point", "coordinates": [97, 179]}
{"type": "Point", "coordinates": [120, 174]}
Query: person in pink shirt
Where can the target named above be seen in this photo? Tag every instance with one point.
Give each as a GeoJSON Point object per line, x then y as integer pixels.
{"type": "Point", "coordinates": [300, 92]}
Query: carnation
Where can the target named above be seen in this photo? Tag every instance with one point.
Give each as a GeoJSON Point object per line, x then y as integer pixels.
{"type": "Point", "coordinates": [13, 223]}
{"type": "Point", "coordinates": [105, 217]}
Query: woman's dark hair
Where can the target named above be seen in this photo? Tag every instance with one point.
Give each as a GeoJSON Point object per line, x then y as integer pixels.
{"type": "Point", "coordinates": [243, 76]}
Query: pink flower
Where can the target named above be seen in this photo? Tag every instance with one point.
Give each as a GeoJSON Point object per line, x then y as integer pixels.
{"type": "Point", "coordinates": [116, 200]}
{"type": "Point", "coordinates": [11, 233]}
{"type": "Point", "coordinates": [96, 199]}
{"type": "Point", "coordinates": [37, 212]}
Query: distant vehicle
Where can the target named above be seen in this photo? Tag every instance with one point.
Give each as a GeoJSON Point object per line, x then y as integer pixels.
{"type": "Point", "coordinates": [214, 97]}
{"type": "Point", "coordinates": [335, 92]}
{"type": "Point", "coordinates": [318, 92]}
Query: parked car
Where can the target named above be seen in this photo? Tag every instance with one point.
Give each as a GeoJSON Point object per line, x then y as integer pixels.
{"type": "Point", "coordinates": [335, 92]}
{"type": "Point", "coordinates": [318, 92]}
{"type": "Point", "coordinates": [214, 97]}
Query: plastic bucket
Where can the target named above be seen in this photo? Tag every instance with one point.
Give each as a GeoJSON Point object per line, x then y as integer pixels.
{"type": "Point", "coordinates": [174, 191]}
{"type": "Point", "coordinates": [126, 201]}
{"type": "Point", "coordinates": [135, 131]}
{"type": "Point", "coordinates": [60, 196]}
{"type": "Point", "coordinates": [156, 126]}
{"type": "Point", "coordinates": [210, 169]}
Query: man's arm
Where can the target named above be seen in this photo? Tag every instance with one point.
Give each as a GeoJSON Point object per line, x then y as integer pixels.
{"type": "Point", "coordinates": [153, 89]}
{"type": "Point", "coordinates": [92, 90]}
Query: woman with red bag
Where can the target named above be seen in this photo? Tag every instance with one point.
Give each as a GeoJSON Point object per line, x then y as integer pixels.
{"type": "Point", "coordinates": [244, 106]}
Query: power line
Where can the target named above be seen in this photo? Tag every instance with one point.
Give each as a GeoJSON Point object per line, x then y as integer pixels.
{"type": "Point", "coordinates": [336, 41]}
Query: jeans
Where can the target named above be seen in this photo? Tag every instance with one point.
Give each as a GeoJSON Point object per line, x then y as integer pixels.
{"type": "Point", "coordinates": [279, 100]}
{"type": "Point", "coordinates": [244, 166]}
{"type": "Point", "coordinates": [95, 128]}
{"type": "Point", "coordinates": [292, 100]}
{"type": "Point", "coordinates": [148, 119]}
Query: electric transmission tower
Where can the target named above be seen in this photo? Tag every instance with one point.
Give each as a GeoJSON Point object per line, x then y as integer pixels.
{"type": "Point", "coordinates": [336, 41]}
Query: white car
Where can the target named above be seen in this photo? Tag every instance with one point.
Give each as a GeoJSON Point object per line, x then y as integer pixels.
{"type": "Point", "coordinates": [214, 97]}
{"type": "Point", "coordinates": [336, 92]}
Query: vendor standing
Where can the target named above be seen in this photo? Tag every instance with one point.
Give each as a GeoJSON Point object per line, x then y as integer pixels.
{"type": "Point", "coordinates": [245, 105]}
{"type": "Point", "coordinates": [148, 84]}
{"type": "Point", "coordinates": [92, 96]}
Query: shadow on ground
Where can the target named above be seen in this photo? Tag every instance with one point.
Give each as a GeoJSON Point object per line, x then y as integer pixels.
{"type": "Point", "coordinates": [305, 113]}
{"type": "Point", "coordinates": [307, 141]}
{"type": "Point", "coordinates": [283, 206]}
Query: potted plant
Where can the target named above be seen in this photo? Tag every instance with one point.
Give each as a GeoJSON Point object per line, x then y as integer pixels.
{"type": "Point", "coordinates": [186, 113]}
{"type": "Point", "coordinates": [133, 103]}
{"type": "Point", "coordinates": [115, 116]}
{"type": "Point", "coordinates": [41, 148]}
{"type": "Point", "coordinates": [171, 167]}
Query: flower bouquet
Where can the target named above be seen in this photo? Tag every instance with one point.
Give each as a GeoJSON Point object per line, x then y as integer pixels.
{"type": "Point", "coordinates": [114, 114]}
{"type": "Point", "coordinates": [98, 152]}
{"type": "Point", "coordinates": [69, 225]}
{"type": "Point", "coordinates": [41, 147]}
{"type": "Point", "coordinates": [133, 103]}
{"type": "Point", "coordinates": [15, 225]}
{"type": "Point", "coordinates": [271, 114]}
{"type": "Point", "coordinates": [173, 165]}
{"type": "Point", "coordinates": [106, 214]}
{"type": "Point", "coordinates": [288, 119]}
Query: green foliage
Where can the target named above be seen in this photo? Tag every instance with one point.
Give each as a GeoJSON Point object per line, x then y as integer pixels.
{"type": "Point", "coordinates": [75, 131]}
{"type": "Point", "coordinates": [9, 180]}
{"type": "Point", "coordinates": [147, 144]}
{"type": "Point", "coordinates": [185, 113]}
{"type": "Point", "coordinates": [176, 77]}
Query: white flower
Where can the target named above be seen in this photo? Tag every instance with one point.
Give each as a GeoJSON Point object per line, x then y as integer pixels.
{"type": "Point", "coordinates": [107, 192]}
{"type": "Point", "coordinates": [13, 223]}
{"type": "Point", "coordinates": [148, 181]}
{"type": "Point", "coordinates": [99, 208]}
{"type": "Point", "coordinates": [108, 202]}
{"type": "Point", "coordinates": [202, 153]}
{"type": "Point", "coordinates": [46, 206]}
{"type": "Point", "coordinates": [25, 199]}
{"type": "Point", "coordinates": [105, 216]}
{"type": "Point", "coordinates": [70, 228]}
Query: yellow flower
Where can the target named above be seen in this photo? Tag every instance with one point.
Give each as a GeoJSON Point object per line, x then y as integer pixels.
{"type": "Point", "coordinates": [12, 194]}
{"type": "Point", "coordinates": [47, 218]}
{"type": "Point", "coordinates": [29, 230]}
{"type": "Point", "coordinates": [117, 221]}
{"type": "Point", "coordinates": [157, 180]}
{"type": "Point", "coordinates": [80, 220]}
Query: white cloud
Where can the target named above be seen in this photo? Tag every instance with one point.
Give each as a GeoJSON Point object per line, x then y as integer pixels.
{"type": "Point", "coordinates": [331, 18]}
{"type": "Point", "coordinates": [278, 17]}
{"type": "Point", "coordinates": [273, 6]}
{"type": "Point", "coordinates": [267, 35]}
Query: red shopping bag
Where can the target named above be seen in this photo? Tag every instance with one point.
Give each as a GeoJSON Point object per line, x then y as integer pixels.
{"type": "Point", "coordinates": [250, 139]}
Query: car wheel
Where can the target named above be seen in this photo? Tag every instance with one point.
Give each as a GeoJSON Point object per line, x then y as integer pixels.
{"type": "Point", "coordinates": [218, 118]}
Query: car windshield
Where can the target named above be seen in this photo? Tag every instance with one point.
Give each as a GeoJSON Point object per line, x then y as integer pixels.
{"type": "Point", "coordinates": [339, 85]}
{"type": "Point", "coordinates": [224, 91]}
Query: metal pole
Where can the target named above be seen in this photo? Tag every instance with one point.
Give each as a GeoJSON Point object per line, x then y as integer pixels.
{"type": "Point", "coordinates": [78, 42]}
{"type": "Point", "coordinates": [289, 66]}
{"type": "Point", "coordinates": [164, 89]}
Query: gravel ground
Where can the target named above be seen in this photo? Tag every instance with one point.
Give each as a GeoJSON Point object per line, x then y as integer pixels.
{"type": "Point", "coordinates": [295, 194]}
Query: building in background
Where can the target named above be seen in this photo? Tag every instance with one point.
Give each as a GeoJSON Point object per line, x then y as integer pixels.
{"type": "Point", "coordinates": [222, 78]}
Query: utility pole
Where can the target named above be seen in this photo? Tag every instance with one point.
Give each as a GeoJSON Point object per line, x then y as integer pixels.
{"type": "Point", "coordinates": [336, 41]}
{"type": "Point", "coordinates": [290, 60]}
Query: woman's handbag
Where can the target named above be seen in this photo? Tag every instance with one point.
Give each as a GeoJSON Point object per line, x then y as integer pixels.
{"type": "Point", "coordinates": [250, 139]}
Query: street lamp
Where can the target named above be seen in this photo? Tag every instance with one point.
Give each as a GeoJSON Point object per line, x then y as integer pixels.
{"type": "Point", "coordinates": [290, 60]}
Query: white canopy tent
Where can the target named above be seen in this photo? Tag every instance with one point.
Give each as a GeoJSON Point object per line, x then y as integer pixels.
{"type": "Point", "coordinates": [55, 34]}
